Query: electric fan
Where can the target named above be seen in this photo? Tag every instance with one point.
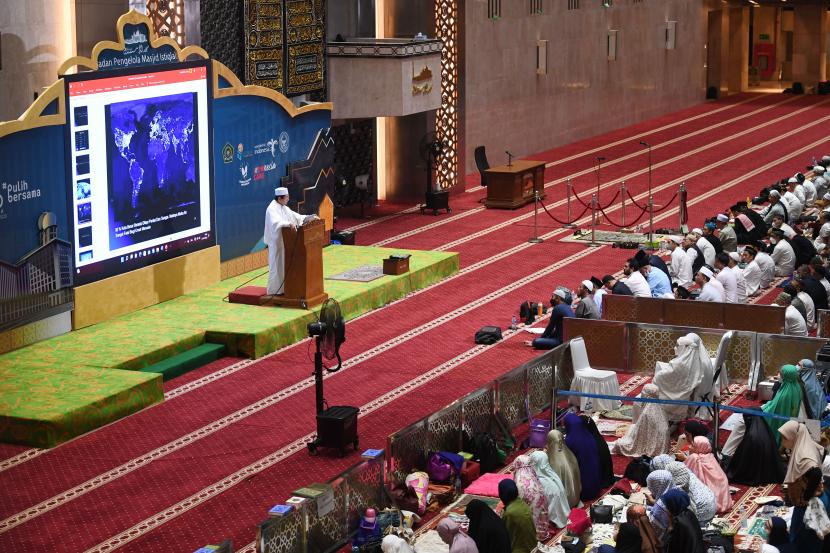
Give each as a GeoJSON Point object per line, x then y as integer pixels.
{"type": "Point", "coordinates": [431, 149]}
{"type": "Point", "coordinates": [336, 426]}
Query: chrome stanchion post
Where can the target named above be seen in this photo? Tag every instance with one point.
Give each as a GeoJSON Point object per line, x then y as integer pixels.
{"type": "Point", "coordinates": [684, 227]}
{"type": "Point", "coordinates": [622, 195]}
{"type": "Point", "coordinates": [569, 189]}
{"type": "Point", "coordinates": [716, 418]}
{"type": "Point", "coordinates": [535, 239]}
{"type": "Point", "coordinates": [594, 221]}
{"type": "Point", "coordinates": [650, 221]}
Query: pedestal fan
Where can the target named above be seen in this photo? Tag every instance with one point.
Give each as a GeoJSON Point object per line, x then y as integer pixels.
{"type": "Point", "coordinates": [336, 426]}
{"type": "Point", "coordinates": [431, 150]}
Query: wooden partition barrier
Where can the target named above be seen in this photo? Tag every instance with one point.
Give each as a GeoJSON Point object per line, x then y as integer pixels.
{"type": "Point", "coordinates": [701, 314]}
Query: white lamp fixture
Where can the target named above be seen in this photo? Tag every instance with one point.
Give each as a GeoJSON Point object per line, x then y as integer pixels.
{"type": "Point", "coordinates": [671, 34]}
{"type": "Point", "coordinates": [612, 44]}
{"type": "Point", "coordinates": [541, 57]}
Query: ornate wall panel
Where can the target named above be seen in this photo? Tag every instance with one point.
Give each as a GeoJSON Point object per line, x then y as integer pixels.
{"type": "Point", "coordinates": [448, 118]}
{"type": "Point", "coordinates": [739, 358]}
{"type": "Point", "coordinates": [649, 345]}
{"type": "Point", "coordinates": [305, 46]}
{"type": "Point", "coordinates": [222, 32]}
{"type": "Point", "coordinates": [539, 383]}
{"type": "Point", "coordinates": [478, 411]}
{"type": "Point", "coordinates": [445, 429]}
{"type": "Point", "coordinates": [511, 396]}
{"type": "Point", "coordinates": [328, 530]}
{"type": "Point", "coordinates": [406, 451]}
{"type": "Point", "coordinates": [778, 350]}
{"type": "Point", "coordinates": [283, 534]}
{"type": "Point", "coordinates": [823, 323]}
{"type": "Point", "coordinates": [701, 314]}
{"type": "Point", "coordinates": [264, 43]}
{"type": "Point", "coordinates": [619, 308]}
{"type": "Point", "coordinates": [168, 18]}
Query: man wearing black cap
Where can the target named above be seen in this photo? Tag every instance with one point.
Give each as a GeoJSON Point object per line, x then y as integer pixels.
{"type": "Point", "coordinates": [636, 281]}
{"type": "Point", "coordinates": [616, 287]}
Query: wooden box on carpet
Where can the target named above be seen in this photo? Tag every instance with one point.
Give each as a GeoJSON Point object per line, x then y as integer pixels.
{"type": "Point", "coordinates": [395, 265]}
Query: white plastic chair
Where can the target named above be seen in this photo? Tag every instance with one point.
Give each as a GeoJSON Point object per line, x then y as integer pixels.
{"type": "Point", "coordinates": [592, 381]}
{"type": "Point", "coordinates": [720, 381]}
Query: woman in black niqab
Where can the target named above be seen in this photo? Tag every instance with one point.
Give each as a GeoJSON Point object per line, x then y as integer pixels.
{"type": "Point", "coordinates": [756, 461]}
{"type": "Point", "coordinates": [487, 529]}
{"type": "Point", "coordinates": [606, 467]}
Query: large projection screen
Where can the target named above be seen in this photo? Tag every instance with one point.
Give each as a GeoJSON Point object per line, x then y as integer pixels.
{"type": "Point", "coordinates": [138, 152]}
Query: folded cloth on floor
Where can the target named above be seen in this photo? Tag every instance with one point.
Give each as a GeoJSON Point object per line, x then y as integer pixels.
{"type": "Point", "coordinates": [487, 484]}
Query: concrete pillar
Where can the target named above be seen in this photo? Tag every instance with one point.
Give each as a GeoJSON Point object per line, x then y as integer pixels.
{"type": "Point", "coordinates": [717, 50]}
{"type": "Point", "coordinates": [809, 45]}
{"type": "Point", "coordinates": [738, 62]}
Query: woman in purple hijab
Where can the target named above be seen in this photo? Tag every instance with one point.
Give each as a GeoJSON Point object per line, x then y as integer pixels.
{"type": "Point", "coordinates": [580, 440]}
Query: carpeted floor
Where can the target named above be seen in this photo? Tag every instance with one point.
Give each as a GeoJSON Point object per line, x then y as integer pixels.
{"type": "Point", "coordinates": [208, 462]}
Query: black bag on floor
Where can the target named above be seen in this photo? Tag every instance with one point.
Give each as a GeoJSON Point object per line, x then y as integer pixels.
{"type": "Point", "coordinates": [488, 335]}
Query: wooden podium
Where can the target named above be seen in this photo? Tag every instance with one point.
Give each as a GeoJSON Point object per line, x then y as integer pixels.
{"type": "Point", "coordinates": [509, 187]}
{"type": "Point", "coordinates": [303, 267]}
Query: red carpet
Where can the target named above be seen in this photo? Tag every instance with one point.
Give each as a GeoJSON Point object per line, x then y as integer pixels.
{"type": "Point", "coordinates": [209, 461]}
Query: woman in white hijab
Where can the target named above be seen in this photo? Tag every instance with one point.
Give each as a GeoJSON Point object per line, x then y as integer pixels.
{"type": "Point", "coordinates": [558, 508]}
{"type": "Point", "coordinates": [681, 377]}
{"type": "Point", "coordinates": [564, 464]}
{"type": "Point", "coordinates": [649, 435]}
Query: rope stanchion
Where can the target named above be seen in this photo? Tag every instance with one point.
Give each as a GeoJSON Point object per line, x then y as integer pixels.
{"type": "Point", "coordinates": [665, 207]}
{"type": "Point", "coordinates": [552, 216]}
{"type": "Point", "coordinates": [614, 199]}
{"type": "Point", "coordinates": [622, 207]}
{"type": "Point", "coordinates": [580, 201]}
{"type": "Point", "coordinates": [630, 197]}
{"type": "Point", "coordinates": [634, 222]}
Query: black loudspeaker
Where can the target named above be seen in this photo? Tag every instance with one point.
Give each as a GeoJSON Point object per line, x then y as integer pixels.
{"type": "Point", "coordinates": [712, 93]}
{"type": "Point", "coordinates": [337, 428]}
{"type": "Point", "coordinates": [436, 201]}
{"type": "Point", "coordinates": [798, 87]}
{"type": "Point", "coordinates": [345, 237]}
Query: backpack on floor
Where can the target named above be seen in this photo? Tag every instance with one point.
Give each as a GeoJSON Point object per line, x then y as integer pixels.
{"type": "Point", "coordinates": [488, 335]}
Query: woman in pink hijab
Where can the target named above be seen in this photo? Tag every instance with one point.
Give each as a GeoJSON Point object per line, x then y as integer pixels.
{"type": "Point", "coordinates": [533, 493]}
{"type": "Point", "coordinates": [452, 535]}
{"type": "Point", "coordinates": [703, 464]}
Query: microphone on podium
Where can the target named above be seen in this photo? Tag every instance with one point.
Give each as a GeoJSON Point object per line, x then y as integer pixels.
{"type": "Point", "coordinates": [509, 158]}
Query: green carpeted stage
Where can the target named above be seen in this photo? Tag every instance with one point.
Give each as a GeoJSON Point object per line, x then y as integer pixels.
{"type": "Point", "coordinates": [55, 390]}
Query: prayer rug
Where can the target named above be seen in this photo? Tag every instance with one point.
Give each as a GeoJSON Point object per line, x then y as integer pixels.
{"type": "Point", "coordinates": [364, 273]}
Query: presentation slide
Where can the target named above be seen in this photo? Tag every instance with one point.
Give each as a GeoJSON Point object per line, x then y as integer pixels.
{"type": "Point", "coordinates": [139, 155]}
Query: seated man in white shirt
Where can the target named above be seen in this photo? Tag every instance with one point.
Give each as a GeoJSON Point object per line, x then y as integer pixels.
{"type": "Point", "coordinates": [823, 239]}
{"type": "Point", "coordinates": [734, 260]}
{"type": "Point", "coordinates": [636, 282]}
{"type": "Point", "coordinates": [794, 323]}
{"type": "Point", "coordinates": [796, 290]}
{"type": "Point", "coordinates": [680, 267]}
{"type": "Point", "coordinates": [767, 268]}
{"type": "Point", "coordinates": [711, 289]}
{"type": "Point", "coordinates": [783, 254]}
{"type": "Point", "coordinates": [705, 247]}
{"type": "Point", "coordinates": [753, 274]}
{"type": "Point", "coordinates": [810, 192]}
{"type": "Point", "coordinates": [726, 277]}
{"type": "Point", "coordinates": [778, 222]}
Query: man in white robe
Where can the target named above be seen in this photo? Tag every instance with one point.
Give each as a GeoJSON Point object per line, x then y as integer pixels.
{"type": "Point", "coordinates": [636, 282]}
{"type": "Point", "coordinates": [753, 274]}
{"type": "Point", "coordinates": [278, 216]}
{"type": "Point", "coordinates": [767, 265]}
{"type": "Point", "coordinates": [711, 289]}
{"type": "Point", "coordinates": [726, 276]}
{"type": "Point", "coordinates": [783, 254]}
{"type": "Point", "coordinates": [794, 323]}
{"type": "Point", "coordinates": [734, 260]}
{"type": "Point", "coordinates": [705, 247]}
{"type": "Point", "coordinates": [680, 266]}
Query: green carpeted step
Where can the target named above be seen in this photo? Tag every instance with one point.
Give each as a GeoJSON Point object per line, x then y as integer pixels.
{"type": "Point", "coordinates": [187, 361]}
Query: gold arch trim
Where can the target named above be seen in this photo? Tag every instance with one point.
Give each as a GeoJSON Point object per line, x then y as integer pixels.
{"type": "Point", "coordinates": [132, 17]}
{"type": "Point", "coordinates": [33, 117]}
{"type": "Point", "coordinates": [236, 88]}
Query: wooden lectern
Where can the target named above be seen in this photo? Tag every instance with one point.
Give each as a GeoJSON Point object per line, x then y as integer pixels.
{"type": "Point", "coordinates": [303, 267]}
{"type": "Point", "coordinates": [512, 186]}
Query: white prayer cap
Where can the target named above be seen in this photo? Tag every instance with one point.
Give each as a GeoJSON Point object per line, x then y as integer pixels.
{"type": "Point", "coordinates": [792, 180]}
{"type": "Point", "coordinates": [561, 293]}
{"type": "Point", "coordinates": [697, 231]}
{"type": "Point", "coordinates": [676, 239]}
{"type": "Point", "coordinates": [706, 271]}
{"type": "Point", "coordinates": [826, 196]}
{"type": "Point", "coordinates": [722, 218]}
{"type": "Point", "coordinates": [818, 169]}
{"type": "Point", "coordinates": [736, 256]}
{"type": "Point", "coordinates": [281, 191]}
{"type": "Point", "coordinates": [588, 284]}
{"type": "Point", "coordinates": [825, 158]}
{"type": "Point", "coordinates": [774, 193]}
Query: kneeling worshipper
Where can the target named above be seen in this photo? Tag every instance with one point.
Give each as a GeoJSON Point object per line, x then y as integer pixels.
{"type": "Point", "coordinates": [648, 436]}
{"type": "Point", "coordinates": [702, 463]}
{"type": "Point", "coordinates": [685, 535]}
{"type": "Point", "coordinates": [805, 453]}
{"type": "Point", "coordinates": [658, 482]}
{"type": "Point", "coordinates": [754, 453]}
{"type": "Point", "coordinates": [563, 462]}
{"type": "Point", "coordinates": [487, 529]}
{"type": "Point", "coordinates": [627, 540]}
{"type": "Point", "coordinates": [813, 389]}
{"type": "Point", "coordinates": [451, 534]}
{"type": "Point", "coordinates": [638, 516]}
{"type": "Point", "coordinates": [531, 491]}
{"type": "Point", "coordinates": [606, 465]}
{"type": "Point", "coordinates": [778, 538]}
{"type": "Point", "coordinates": [810, 525]}
{"type": "Point", "coordinates": [786, 402]}
{"type": "Point", "coordinates": [580, 441]}
{"type": "Point", "coordinates": [682, 376]}
{"type": "Point", "coordinates": [517, 518]}
{"type": "Point", "coordinates": [394, 544]}
{"type": "Point", "coordinates": [558, 508]}
{"type": "Point", "coordinates": [703, 499]}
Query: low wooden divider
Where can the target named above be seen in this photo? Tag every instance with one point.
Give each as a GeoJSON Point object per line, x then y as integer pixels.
{"type": "Point", "coordinates": [701, 314]}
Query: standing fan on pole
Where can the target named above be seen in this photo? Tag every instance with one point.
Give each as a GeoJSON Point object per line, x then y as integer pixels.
{"type": "Point", "coordinates": [336, 426]}
{"type": "Point", "coordinates": [431, 149]}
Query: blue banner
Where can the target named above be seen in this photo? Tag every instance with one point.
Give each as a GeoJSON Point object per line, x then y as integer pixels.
{"type": "Point", "coordinates": [254, 139]}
